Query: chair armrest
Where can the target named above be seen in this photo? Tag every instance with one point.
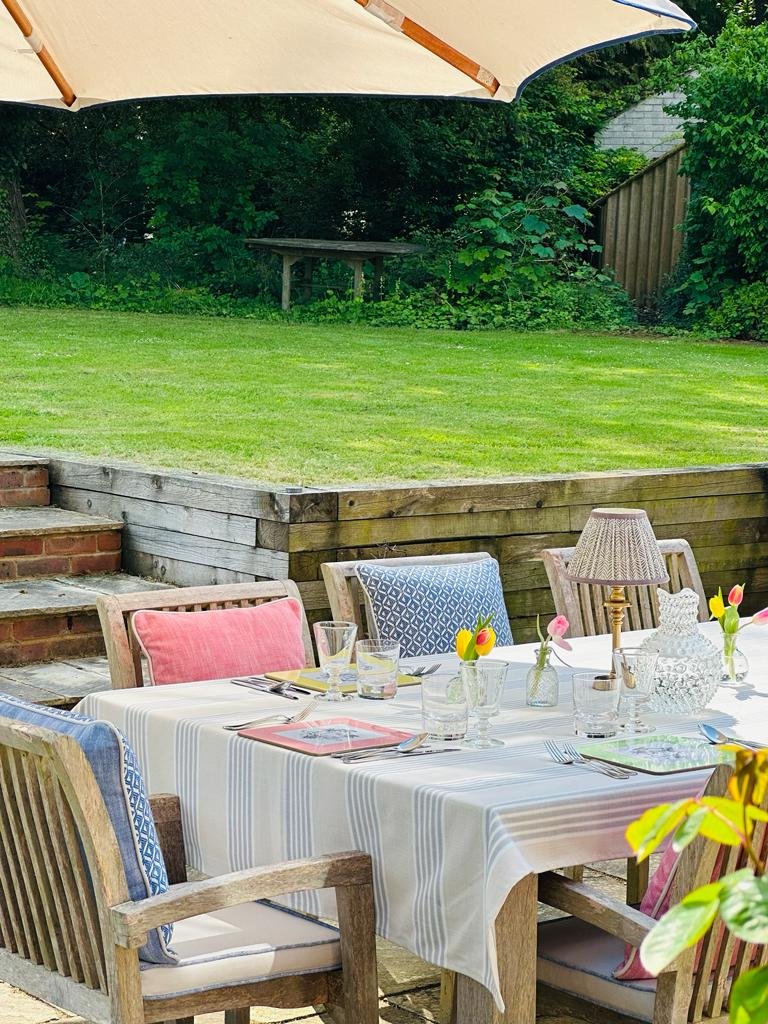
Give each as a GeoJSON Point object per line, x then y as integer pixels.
{"type": "Point", "coordinates": [130, 922]}
{"type": "Point", "coordinates": [166, 810]}
{"type": "Point", "coordinates": [595, 907]}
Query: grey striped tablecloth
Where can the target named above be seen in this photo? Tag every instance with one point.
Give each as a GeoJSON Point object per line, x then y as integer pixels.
{"type": "Point", "coordinates": [449, 835]}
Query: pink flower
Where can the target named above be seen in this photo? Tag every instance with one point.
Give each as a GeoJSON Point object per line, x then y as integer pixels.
{"type": "Point", "coordinates": [736, 596]}
{"type": "Point", "coordinates": [556, 629]}
{"type": "Point", "coordinates": [761, 617]}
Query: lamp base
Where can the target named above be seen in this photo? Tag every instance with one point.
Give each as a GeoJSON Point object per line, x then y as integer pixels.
{"type": "Point", "coordinates": [616, 605]}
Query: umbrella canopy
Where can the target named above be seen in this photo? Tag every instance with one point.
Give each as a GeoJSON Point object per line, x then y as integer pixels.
{"type": "Point", "coordinates": [83, 52]}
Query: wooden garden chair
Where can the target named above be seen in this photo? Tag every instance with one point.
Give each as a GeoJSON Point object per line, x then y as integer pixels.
{"type": "Point", "coordinates": [347, 597]}
{"type": "Point", "coordinates": [116, 612]}
{"type": "Point", "coordinates": [70, 935]}
{"type": "Point", "coordinates": [577, 955]}
{"type": "Point", "coordinates": [582, 603]}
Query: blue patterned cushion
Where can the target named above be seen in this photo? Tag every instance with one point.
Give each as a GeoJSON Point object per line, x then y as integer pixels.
{"type": "Point", "coordinates": [122, 786]}
{"type": "Point", "coordinates": [424, 606]}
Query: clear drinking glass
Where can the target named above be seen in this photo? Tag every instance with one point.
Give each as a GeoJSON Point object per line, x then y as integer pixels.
{"type": "Point", "coordinates": [378, 662]}
{"type": "Point", "coordinates": [335, 640]}
{"type": "Point", "coordinates": [484, 684]}
{"type": "Point", "coordinates": [636, 670]}
{"type": "Point", "coordinates": [444, 707]}
{"type": "Point", "coordinates": [595, 704]}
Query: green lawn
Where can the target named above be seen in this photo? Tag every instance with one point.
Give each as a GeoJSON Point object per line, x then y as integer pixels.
{"type": "Point", "coordinates": [302, 404]}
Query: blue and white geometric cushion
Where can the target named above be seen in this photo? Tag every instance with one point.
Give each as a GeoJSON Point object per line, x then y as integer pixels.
{"type": "Point", "coordinates": [424, 606]}
{"type": "Point", "coordinates": [122, 787]}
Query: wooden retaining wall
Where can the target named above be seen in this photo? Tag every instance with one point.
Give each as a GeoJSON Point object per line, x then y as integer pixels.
{"type": "Point", "coordinates": [639, 225]}
{"type": "Point", "coordinates": [189, 529]}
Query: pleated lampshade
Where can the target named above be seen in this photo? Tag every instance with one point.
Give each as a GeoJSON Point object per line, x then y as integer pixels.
{"type": "Point", "coordinates": [618, 548]}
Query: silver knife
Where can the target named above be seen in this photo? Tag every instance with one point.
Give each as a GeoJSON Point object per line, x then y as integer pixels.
{"type": "Point", "coordinates": [392, 754]}
{"type": "Point", "coordinates": [264, 689]}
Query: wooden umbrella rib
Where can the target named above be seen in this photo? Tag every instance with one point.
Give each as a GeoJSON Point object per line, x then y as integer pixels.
{"type": "Point", "coordinates": [27, 29]}
{"type": "Point", "coordinates": [398, 21]}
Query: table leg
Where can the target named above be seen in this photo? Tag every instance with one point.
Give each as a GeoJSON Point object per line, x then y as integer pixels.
{"type": "Point", "coordinates": [288, 262]}
{"type": "Point", "coordinates": [516, 945]}
{"type": "Point", "coordinates": [357, 287]}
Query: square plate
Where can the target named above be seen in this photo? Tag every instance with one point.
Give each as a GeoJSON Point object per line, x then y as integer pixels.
{"type": "Point", "coordinates": [656, 754]}
{"type": "Point", "coordinates": [331, 736]}
{"type": "Point", "coordinates": [316, 679]}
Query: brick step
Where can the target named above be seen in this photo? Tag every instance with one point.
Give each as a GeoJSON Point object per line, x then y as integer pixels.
{"type": "Point", "coordinates": [48, 541]}
{"type": "Point", "coordinates": [55, 619]}
{"type": "Point", "coordinates": [23, 481]}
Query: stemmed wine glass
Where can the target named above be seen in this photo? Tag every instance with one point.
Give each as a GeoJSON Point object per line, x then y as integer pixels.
{"type": "Point", "coordinates": [636, 669]}
{"type": "Point", "coordinates": [335, 640]}
{"type": "Point", "coordinates": [484, 686]}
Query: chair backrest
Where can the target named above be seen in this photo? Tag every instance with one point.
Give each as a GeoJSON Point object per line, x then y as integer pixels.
{"type": "Point", "coordinates": [582, 603]}
{"type": "Point", "coordinates": [702, 984]}
{"type": "Point", "coordinates": [60, 871]}
{"type": "Point", "coordinates": [116, 611]}
{"type": "Point", "coordinates": [347, 597]}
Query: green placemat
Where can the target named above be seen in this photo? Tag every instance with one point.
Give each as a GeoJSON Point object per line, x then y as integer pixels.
{"type": "Point", "coordinates": [658, 754]}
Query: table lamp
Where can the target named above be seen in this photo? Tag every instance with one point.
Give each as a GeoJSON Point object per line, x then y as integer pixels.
{"type": "Point", "coordinates": [617, 549]}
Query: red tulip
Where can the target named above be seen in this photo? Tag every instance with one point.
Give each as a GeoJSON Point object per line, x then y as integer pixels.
{"type": "Point", "coordinates": [736, 596]}
{"type": "Point", "coordinates": [483, 637]}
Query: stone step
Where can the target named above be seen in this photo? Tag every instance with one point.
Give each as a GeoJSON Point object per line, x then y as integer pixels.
{"type": "Point", "coordinates": [47, 541]}
{"type": "Point", "coordinates": [56, 683]}
{"type": "Point", "coordinates": [55, 619]}
{"type": "Point", "coordinates": [23, 481]}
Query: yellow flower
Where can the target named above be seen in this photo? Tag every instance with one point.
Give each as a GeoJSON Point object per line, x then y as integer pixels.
{"type": "Point", "coordinates": [463, 638]}
{"type": "Point", "coordinates": [717, 606]}
{"type": "Point", "coordinates": [490, 641]}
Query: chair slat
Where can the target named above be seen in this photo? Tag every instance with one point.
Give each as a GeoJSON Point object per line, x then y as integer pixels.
{"type": "Point", "coordinates": [721, 973]}
{"type": "Point", "coordinates": [587, 615]}
{"type": "Point", "coordinates": [14, 939]}
{"type": "Point", "coordinates": [79, 887]}
{"type": "Point", "coordinates": [47, 870]}
{"type": "Point", "coordinates": [18, 856]}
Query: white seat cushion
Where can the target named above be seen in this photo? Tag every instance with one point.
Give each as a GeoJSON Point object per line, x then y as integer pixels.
{"type": "Point", "coordinates": [240, 945]}
{"type": "Point", "coordinates": [576, 957]}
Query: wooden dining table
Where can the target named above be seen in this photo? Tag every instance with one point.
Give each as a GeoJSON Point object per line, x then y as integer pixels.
{"type": "Point", "coordinates": [457, 839]}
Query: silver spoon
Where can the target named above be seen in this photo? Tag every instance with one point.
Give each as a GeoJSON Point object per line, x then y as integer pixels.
{"type": "Point", "coordinates": [716, 736]}
{"type": "Point", "coordinates": [402, 748]}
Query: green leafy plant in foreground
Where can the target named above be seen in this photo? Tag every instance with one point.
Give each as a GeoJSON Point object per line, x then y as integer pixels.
{"type": "Point", "coordinates": [738, 899]}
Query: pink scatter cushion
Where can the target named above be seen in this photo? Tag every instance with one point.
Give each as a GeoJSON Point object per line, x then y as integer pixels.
{"type": "Point", "coordinates": [655, 903]}
{"type": "Point", "coordinates": [182, 647]}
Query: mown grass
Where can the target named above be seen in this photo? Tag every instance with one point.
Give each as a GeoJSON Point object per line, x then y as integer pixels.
{"type": "Point", "coordinates": [325, 404]}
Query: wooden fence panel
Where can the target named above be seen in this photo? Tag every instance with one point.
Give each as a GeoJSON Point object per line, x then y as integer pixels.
{"type": "Point", "coordinates": [639, 226]}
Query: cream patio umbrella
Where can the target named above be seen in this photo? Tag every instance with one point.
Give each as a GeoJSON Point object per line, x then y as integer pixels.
{"type": "Point", "coordinates": [81, 52]}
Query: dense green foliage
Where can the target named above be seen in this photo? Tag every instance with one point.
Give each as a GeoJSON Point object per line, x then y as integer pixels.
{"type": "Point", "coordinates": [317, 403]}
{"type": "Point", "coordinates": [726, 84]}
{"type": "Point", "coordinates": [148, 205]}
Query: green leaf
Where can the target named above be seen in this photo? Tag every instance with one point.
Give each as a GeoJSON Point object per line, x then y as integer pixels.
{"type": "Point", "coordinates": [645, 834]}
{"type": "Point", "coordinates": [680, 928]}
{"type": "Point", "coordinates": [534, 224]}
{"type": "Point", "coordinates": [749, 998]}
{"type": "Point", "coordinates": [727, 827]}
{"type": "Point", "coordinates": [744, 906]}
{"type": "Point", "coordinates": [578, 213]}
{"type": "Point", "coordinates": [689, 829]}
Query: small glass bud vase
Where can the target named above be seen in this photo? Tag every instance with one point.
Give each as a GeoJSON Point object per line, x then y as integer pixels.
{"type": "Point", "coordinates": [735, 664]}
{"type": "Point", "coordinates": [542, 686]}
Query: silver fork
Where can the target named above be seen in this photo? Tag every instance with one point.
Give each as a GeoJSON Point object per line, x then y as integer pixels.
{"type": "Point", "coordinates": [305, 712]}
{"type": "Point", "coordinates": [580, 759]}
{"type": "Point", "coordinates": [422, 670]}
{"type": "Point", "coordinates": [561, 757]}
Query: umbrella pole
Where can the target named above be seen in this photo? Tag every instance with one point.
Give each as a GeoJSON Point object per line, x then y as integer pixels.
{"type": "Point", "coordinates": [400, 23]}
{"type": "Point", "coordinates": [26, 28]}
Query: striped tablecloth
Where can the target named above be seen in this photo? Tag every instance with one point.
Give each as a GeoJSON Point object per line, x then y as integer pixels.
{"type": "Point", "coordinates": [449, 835]}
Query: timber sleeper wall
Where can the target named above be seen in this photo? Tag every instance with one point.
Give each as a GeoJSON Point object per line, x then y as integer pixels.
{"type": "Point", "coordinates": [193, 529]}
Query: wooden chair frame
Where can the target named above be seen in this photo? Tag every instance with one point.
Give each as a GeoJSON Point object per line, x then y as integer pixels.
{"type": "Point", "coordinates": [347, 598]}
{"type": "Point", "coordinates": [116, 616]}
{"type": "Point", "coordinates": [683, 992]}
{"type": "Point", "coordinates": [74, 942]}
{"type": "Point", "coordinates": [582, 603]}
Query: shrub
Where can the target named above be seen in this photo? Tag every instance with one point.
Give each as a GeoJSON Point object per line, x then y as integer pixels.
{"type": "Point", "coordinates": [743, 313]}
